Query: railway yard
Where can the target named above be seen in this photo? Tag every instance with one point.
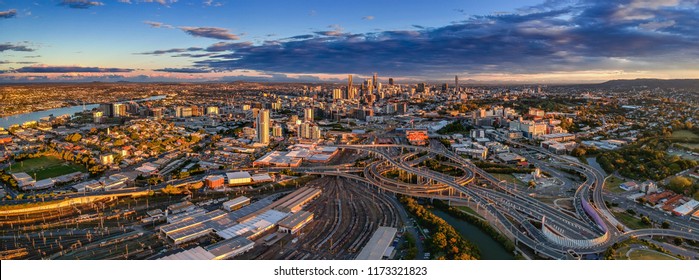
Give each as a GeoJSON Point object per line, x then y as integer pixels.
{"type": "Point", "coordinates": [346, 215]}
{"type": "Point", "coordinates": [350, 213]}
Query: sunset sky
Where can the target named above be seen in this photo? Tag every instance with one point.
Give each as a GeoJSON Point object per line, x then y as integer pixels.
{"type": "Point", "coordinates": [318, 40]}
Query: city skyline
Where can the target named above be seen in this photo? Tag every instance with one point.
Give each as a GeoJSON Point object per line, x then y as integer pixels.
{"type": "Point", "coordinates": [501, 41]}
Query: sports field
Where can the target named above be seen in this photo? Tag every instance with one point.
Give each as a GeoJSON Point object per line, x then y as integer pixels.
{"type": "Point", "coordinates": [46, 167]}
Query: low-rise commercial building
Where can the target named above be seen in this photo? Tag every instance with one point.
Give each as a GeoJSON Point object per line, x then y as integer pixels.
{"type": "Point", "coordinates": [238, 178]}
{"type": "Point", "coordinates": [214, 181]}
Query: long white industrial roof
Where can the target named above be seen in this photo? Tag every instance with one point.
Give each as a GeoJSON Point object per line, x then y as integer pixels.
{"type": "Point", "coordinates": [377, 245]}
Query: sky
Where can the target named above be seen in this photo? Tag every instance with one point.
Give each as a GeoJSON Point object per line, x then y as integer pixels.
{"type": "Point", "coordinates": [525, 41]}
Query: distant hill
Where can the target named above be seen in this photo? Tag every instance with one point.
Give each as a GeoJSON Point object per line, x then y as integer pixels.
{"type": "Point", "coordinates": [688, 84]}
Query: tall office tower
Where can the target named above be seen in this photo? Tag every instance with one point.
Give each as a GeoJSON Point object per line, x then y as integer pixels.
{"type": "Point", "coordinates": [106, 110]}
{"type": "Point", "coordinates": [277, 105]}
{"type": "Point", "coordinates": [421, 87]}
{"type": "Point", "coordinates": [308, 114]}
{"type": "Point", "coordinates": [390, 81]}
{"type": "Point", "coordinates": [337, 94]}
{"type": "Point", "coordinates": [277, 130]}
{"type": "Point", "coordinates": [315, 132]}
{"type": "Point", "coordinates": [157, 113]}
{"type": "Point", "coordinates": [118, 110]}
{"type": "Point", "coordinates": [456, 83]}
{"type": "Point", "coordinates": [305, 130]}
{"type": "Point", "coordinates": [352, 94]}
{"type": "Point", "coordinates": [263, 126]}
{"type": "Point", "coordinates": [349, 83]}
{"type": "Point", "coordinates": [445, 87]}
{"type": "Point", "coordinates": [374, 81]}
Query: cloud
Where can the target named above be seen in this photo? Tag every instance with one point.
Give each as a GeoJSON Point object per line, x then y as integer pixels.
{"type": "Point", "coordinates": [179, 50]}
{"type": "Point", "coordinates": [224, 46]}
{"type": "Point", "coordinates": [210, 32]}
{"type": "Point", "coordinates": [183, 70]}
{"type": "Point", "coordinates": [156, 24]}
{"type": "Point", "coordinates": [80, 4]}
{"type": "Point", "coordinates": [655, 25]}
{"type": "Point", "coordinates": [368, 17]}
{"type": "Point", "coordinates": [558, 36]}
{"type": "Point", "coordinates": [14, 47]}
{"type": "Point", "coordinates": [192, 55]}
{"type": "Point", "coordinates": [211, 3]}
{"type": "Point", "coordinates": [16, 62]}
{"type": "Point", "coordinates": [8, 14]}
{"type": "Point", "coordinates": [161, 2]}
{"type": "Point", "coordinates": [68, 69]}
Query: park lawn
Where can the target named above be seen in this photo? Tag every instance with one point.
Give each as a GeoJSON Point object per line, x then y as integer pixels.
{"type": "Point", "coordinates": [642, 254]}
{"type": "Point", "coordinates": [507, 177]}
{"type": "Point", "coordinates": [612, 184]}
{"type": "Point", "coordinates": [684, 134]}
{"type": "Point", "coordinates": [630, 221]}
{"type": "Point", "coordinates": [46, 167]}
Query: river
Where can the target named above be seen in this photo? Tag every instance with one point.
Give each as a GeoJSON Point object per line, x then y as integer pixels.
{"type": "Point", "coordinates": [490, 249]}
{"type": "Point", "coordinates": [8, 121]}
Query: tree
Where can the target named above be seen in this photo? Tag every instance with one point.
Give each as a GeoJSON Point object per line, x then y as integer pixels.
{"type": "Point", "coordinates": [680, 182]}
{"type": "Point", "coordinates": [645, 220]}
{"type": "Point", "coordinates": [665, 225]}
{"type": "Point", "coordinates": [578, 152]}
{"type": "Point", "coordinates": [439, 240]}
{"type": "Point", "coordinates": [678, 241]}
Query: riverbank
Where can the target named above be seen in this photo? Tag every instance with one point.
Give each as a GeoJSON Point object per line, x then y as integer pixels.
{"type": "Point", "coordinates": [491, 244]}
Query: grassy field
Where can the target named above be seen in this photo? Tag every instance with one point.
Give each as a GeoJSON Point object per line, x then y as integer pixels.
{"type": "Point", "coordinates": [46, 167]}
{"type": "Point", "coordinates": [642, 254]}
{"type": "Point", "coordinates": [507, 177]}
{"type": "Point", "coordinates": [630, 221]}
{"type": "Point", "coordinates": [684, 134]}
{"type": "Point", "coordinates": [612, 184]}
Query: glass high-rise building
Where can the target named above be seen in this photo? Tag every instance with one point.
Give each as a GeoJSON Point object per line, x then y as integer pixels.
{"type": "Point", "coordinates": [263, 126]}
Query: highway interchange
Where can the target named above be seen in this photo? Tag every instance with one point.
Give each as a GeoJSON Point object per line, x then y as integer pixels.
{"type": "Point", "coordinates": [542, 228]}
{"type": "Point", "coordinates": [592, 230]}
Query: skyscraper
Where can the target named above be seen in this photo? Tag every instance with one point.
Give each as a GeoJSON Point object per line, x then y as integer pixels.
{"type": "Point", "coordinates": [349, 84]}
{"type": "Point", "coordinates": [456, 83]}
{"type": "Point", "coordinates": [374, 81]}
{"type": "Point", "coordinates": [263, 126]}
{"type": "Point", "coordinates": [118, 110]}
{"type": "Point", "coordinates": [390, 81]}
{"type": "Point", "coordinates": [308, 114]}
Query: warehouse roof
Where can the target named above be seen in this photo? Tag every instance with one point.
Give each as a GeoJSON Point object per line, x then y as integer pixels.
{"type": "Point", "coordinates": [377, 245]}
{"type": "Point", "coordinates": [256, 224]}
{"type": "Point", "coordinates": [295, 219]}
{"type": "Point", "coordinates": [238, 175]}
{"type": "Point", "coordinates": [196, 253]}
{"type": "Point", "coordinates": [236, 201]}
{"type": "Point", "coordinates": [228, 247]}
